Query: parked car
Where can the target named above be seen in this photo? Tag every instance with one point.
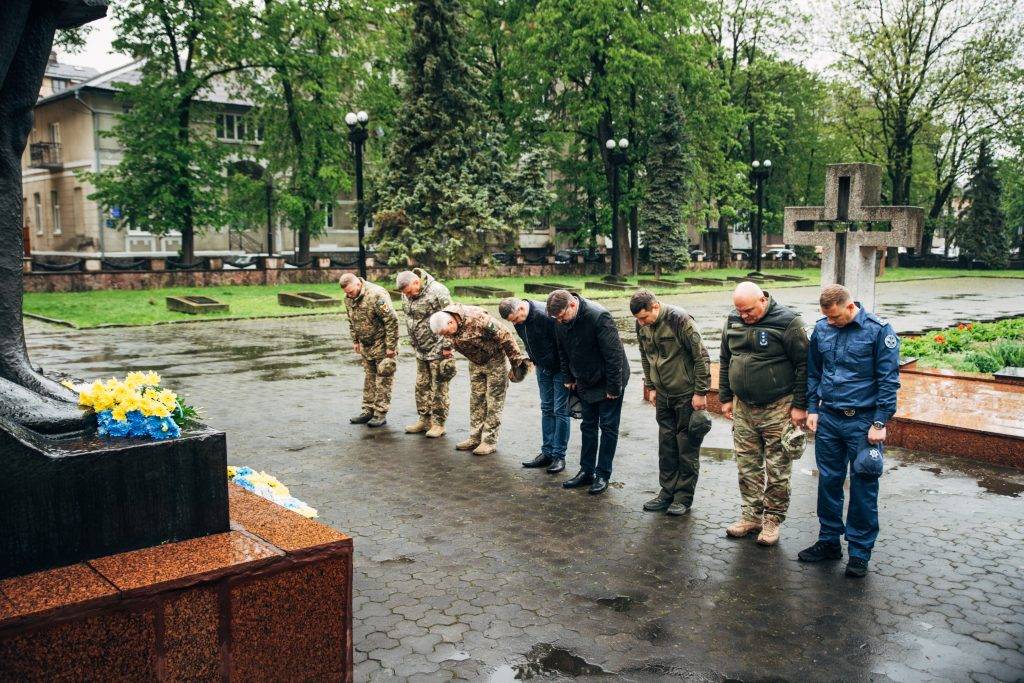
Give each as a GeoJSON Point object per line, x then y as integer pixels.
{"type": "Point", "coordinates": [698, 255]}
{"type": "Point", "coordinates": [564, 256]}
{"type": "Point", "coordinates": [502, 257]}
{"type": "Point", "coordinates": [779, 254]}
{"type": "Point", "coordinates": [740, 255]}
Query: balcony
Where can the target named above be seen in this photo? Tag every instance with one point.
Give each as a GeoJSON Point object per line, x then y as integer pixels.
{"type": "Point", "coordinates": [45, 155]}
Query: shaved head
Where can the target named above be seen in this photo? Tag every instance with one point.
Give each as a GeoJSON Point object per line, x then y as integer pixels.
{"type": "Point", "coordinates": [750, 301]}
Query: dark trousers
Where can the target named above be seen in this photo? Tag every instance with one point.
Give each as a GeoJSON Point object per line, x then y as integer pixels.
{"type": "Point", "coordinates": [835, 448]}
{"type": "Point", "coordinates": [603, 415]}
{"type": "Point", "coordinates": [678, 459]}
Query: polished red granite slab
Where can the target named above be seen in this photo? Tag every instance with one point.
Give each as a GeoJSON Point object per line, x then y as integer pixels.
{"type": "Point", "coordinates": [954, 415]}
{"type": "Point", "coordinates": [270, 600]}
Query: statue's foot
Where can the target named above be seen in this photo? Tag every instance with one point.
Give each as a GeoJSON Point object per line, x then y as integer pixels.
{"type": "Point", "coordinates": [42, 413]}
{"type": "Point", "coordinates": [35, 381]}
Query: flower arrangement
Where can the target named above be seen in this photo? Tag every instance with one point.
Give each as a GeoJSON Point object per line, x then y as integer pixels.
{"type": "Point", "coordinates": [267, 486]}
{"type": "Point", "coordinates": [136, 406]}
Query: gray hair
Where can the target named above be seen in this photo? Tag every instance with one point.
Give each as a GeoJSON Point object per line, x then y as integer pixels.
{"type": "Point", "coordinates": [347, 279]}
{"type": "Point", "coordinates": [642, 300]}
{"type": "Point", "coordinates": [404, 279]}
{"type": "Point", "coordinates": [558, 301]}
{"type": "Point", "coordinates": [439, 321]}
{"type": "Point", "coordinates": [509, 306]}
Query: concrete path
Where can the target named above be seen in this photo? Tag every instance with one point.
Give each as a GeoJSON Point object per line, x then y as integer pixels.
{"type": "Point", "coordinates": [476, 568]}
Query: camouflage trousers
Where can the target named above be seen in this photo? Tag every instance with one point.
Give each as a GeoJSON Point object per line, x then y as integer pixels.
{"type": "Point", "coordinates": [487, 386]}
{"type": "Point", "coordinates": [376, 388]}
{"type": "Point", "coordinates": [432, 399]}
{"type": "Point", "coordinates": [764, 465]}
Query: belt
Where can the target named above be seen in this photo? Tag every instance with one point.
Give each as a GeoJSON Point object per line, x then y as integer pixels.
{"type": "Point", "coordinates": [848, 412]}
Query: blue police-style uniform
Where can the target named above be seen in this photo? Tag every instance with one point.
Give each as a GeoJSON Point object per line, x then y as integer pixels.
{"type": "Point", "coordinates": [853, 374]}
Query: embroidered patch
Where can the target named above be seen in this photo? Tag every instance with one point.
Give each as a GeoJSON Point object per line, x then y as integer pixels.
{"type": "Point", "coordinates": [891, 341]}
{"type": "Point", "coordinates": [762, 338]}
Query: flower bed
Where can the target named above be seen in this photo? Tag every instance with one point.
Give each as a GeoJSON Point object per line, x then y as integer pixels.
{"type": "Point", "coordinates": [970, 347]}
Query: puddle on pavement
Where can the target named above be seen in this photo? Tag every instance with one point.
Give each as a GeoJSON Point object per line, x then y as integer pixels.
{"type": "Point", "coordinates": [989, 482]}
{"type": "Point", "coordinates": [545, 661]}
{"type": "Point", "coordinates": [719, 454]}
{"type": "Point", "coordinates": [621, 603]}
{"type": "Point", "coordinates": [402, 559]}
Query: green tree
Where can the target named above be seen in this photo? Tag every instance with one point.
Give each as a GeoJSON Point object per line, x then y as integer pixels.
{"type": "Point", "coordinates": [443, 190]}
{"type": "Point", "coordinates": [982, 235]}
{"type": "Point", "coordinates": [662, 215]}
{"type": "Point", "coordinates": [170, 178]}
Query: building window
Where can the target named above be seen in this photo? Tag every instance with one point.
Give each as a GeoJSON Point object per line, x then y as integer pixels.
{"type": "Point", "coordinates": [234, 127]}
{"type": "Point", "coordinates": [55, 133]}
{"type": "Point", "coordinates": [59, 84]}
{"type": "Point", "coordinates": [37, 210]}
{"type": "Point", "coordinates": [329, 217]}
{"type": "Point", "coordinates": [55, 208]}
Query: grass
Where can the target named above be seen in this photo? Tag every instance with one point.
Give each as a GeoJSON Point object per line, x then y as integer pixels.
{"type": "Point", "coordinates": [147, 307]}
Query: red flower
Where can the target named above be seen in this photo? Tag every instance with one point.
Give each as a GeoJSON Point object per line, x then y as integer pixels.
{"type": "Point", "coordinates": [939, 339]}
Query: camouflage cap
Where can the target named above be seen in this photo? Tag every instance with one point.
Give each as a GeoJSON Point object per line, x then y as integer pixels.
{"type": "Point", "coordinates": [520, 368]}
{"type": "Point", "coordinates": [700, 425]}
{"type": "Point", "coordinates": [446, 369]}
{"type": "Point", "coordinates": [387, 367]}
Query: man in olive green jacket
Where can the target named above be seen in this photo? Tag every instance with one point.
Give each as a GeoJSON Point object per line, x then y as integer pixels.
{"type": "Point", "coordinates": [678, 370]}
{"type": "Point", "coordinates": [762, 385]}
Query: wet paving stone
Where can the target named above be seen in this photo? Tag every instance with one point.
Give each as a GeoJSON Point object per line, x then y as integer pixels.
{"type": "Point", "coordinates": [477, 569]}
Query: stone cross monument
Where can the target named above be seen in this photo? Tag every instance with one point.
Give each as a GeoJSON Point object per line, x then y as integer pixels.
{"type": "Point", "coordinates": [851, 227]}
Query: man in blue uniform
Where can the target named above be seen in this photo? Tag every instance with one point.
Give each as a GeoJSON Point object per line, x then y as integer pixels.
{"type": "Point", "coordinates": [852, 380]}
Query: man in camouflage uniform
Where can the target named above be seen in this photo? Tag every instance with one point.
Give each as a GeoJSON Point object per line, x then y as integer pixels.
{"type": "Point", "coordinates": [423, 296]}
{"type": "Point", "coordinates": [373, 324]}
{"type": "Point", "coordinates": [762, 384]}
{"type": "Point", "coordinates": [486, 343]}
{"type": "Point", "coordinates": [677, 369]}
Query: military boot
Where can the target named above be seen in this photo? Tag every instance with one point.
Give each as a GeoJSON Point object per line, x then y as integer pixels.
{"type": "Point", "coordinates": [485, 449]}
{"type": "Point", "coordinates": [362, 418]}
{"type": "Point", "coordinates": [377, 421]}
{"type": "Point", "coordinates": [657, 504]}
{"type": "Point", "coordinates": [436, 430]}
{"type": "Point", "coordinates": [419, 427]}
{"type": "Point", "coordinates": [467, 445]}
{"type": "Point", "coordinates": [742, 528]}
{"type": "Point", "coordinates": [769, 532]}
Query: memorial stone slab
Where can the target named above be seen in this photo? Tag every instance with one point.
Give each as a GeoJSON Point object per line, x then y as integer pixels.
{"type": "Point", "coordinates": [306, 300]}
{"type": "Point", "coordinates": [482, 291]}
{"type": "Point", "coordinates": [545, 287]}
{"type": "Point", "coordinates": [610, 286]}
{"type": "Point", "coordinates": [195, 304]}
{"type": "Point", "coordinates": [662, 284]}
{"type": "Point", "coordinates": [852, 227]}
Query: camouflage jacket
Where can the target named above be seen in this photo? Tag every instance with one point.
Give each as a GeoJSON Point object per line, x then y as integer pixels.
{"type": "Point", "coordinates": [433, 297]}
{"type": "Point", "coordinates": [481, 338]}
{"type": "Point", "coordinates": [373, 321]}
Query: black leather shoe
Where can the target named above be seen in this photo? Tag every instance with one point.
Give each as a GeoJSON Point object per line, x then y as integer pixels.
{"type": "Point", "coordinates": [377, 422]}
{"type": "Point", "coordinates": [857, 568]}
{"type": "Point", "coordinates": [557, 465]}
{"type": "Point", "coordinates": [361, 418]}
{"type": "Point", "coordinates": [540, 461]}
{"type": "Point", "coordinates": [822, 550]}
{"type": "Point", "coordinates": [600, 485]}
{"type": "Point", "coordinates": [581, 479]}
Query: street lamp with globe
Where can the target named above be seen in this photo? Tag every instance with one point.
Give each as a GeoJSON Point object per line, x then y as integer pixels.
{"type": "Point", "coordinates": [357, 135]}
{"type": "Point", "coordinates": [618, 158]}
{"type": "Point", "coordinates": [759, 172]}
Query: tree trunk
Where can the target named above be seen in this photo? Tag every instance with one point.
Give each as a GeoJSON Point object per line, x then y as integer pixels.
{"type": "Point", "coordinates": [183, 189]}
{"type": "Point", "coordinates": [723, 243]}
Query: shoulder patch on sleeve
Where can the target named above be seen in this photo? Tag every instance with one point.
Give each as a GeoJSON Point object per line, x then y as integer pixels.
{"type": "Point", "coordinates": [891, 341]}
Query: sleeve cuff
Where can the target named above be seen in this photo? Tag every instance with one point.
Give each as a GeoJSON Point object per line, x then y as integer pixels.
{"type": "Point", "coordinates": [882, 416]}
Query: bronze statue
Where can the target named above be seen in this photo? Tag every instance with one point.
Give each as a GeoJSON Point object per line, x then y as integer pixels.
{"type": "Point", "coordinates": [26, 38]}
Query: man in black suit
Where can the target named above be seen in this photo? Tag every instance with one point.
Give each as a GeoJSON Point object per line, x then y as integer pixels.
{"type": "Point", "coordinates": [595, 367]}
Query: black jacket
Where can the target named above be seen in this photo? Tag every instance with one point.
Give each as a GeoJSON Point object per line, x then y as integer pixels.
{"type": "Point", "coordinates": [538, 335]}
{"type": "Point", "coordinates": [592, 353]}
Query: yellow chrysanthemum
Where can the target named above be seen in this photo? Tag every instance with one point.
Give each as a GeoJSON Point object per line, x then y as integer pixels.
{"type": "Point", "coordinates": [152, 379]}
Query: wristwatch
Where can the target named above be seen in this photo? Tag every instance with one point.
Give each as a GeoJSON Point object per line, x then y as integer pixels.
{"type": "Point", "coordinates": [878, 425]}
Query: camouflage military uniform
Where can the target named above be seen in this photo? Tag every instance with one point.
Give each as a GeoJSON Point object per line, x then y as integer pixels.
{"type": "Point", "coordinates": [764, 465]}
{"type": "Point", "coordinates": [432, 400]}
{"type": "Point", "coordinates": [486, 343]}
{"type": "Point", "coordinates": [374, 326]}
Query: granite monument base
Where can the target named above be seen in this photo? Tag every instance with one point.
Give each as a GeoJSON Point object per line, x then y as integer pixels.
{"type": "Point", "coordinates": [269, 600]}
{"type": "Point", "coordinates": [67, 500]}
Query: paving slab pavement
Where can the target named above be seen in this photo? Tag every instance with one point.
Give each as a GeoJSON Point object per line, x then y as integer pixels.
{"type": "Point", "coordinates": [475, 568]}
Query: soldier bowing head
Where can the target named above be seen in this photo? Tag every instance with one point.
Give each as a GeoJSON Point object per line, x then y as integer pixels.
{"type": "Point", "coordinates": [750, 301]}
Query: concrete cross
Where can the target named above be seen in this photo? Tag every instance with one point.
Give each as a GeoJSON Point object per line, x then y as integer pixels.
{"type": "Point", "coordinates": [851, 227]}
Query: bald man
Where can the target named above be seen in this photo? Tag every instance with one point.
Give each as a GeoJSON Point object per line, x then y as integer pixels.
{"type": "Point", "coordinates": [762, 384]}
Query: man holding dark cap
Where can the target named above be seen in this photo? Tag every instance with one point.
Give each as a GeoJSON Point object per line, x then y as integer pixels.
{"type": "Point", "coordinates": [853, 376]}
{"type": "Point", "coordinates": [677, 370]}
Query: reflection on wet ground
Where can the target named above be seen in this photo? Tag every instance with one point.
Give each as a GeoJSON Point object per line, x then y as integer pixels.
{"type": "Point", "coordinates": [476, 568]}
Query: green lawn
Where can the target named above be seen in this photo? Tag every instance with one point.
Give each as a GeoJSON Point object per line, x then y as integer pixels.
{"type": "Point", "coordinates": [147, 307]}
